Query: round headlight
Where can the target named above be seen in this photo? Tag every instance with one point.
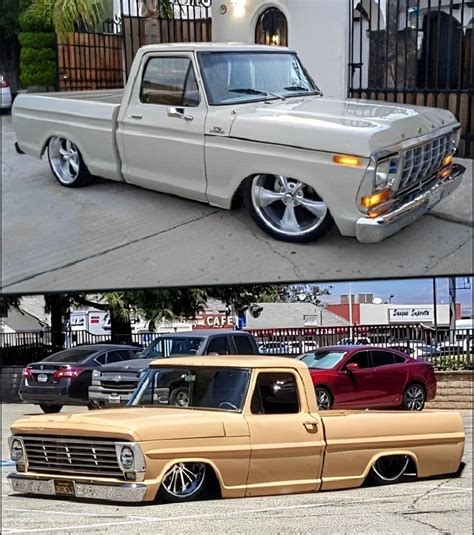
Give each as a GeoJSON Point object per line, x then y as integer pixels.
{"type": "Point", "coordinates": [127, 458]}
{"type": "Point", "coordinates": [16, 450]}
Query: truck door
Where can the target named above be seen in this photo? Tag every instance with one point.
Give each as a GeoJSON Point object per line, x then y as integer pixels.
{"type": "Point", "coordinates": [161, 130]}
{"type": "Point", "coordinates": [287, 443]}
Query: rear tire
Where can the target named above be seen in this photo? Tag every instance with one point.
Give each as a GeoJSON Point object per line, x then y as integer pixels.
{"type": "Point", "coordinates": [67, 164]}
{"type": "Point", "coordinates": [388, 470]}
{"type": "Point", "coordinates": [186, 482]}
{"type": "Point", "coordinates": [50, 409]}
{"type": "Point", "coordinates": [324, 398]}
{"type": "Point", "coordinates": [414, 397]}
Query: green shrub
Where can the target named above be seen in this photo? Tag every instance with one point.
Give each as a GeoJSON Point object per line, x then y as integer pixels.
{"type": "Point", "coordinates": [41, 73]}
{"type": "Point", "coordinates": [35, 20]}
{"type": "Point", "coordinates": [36, 55]}
{"type": "Point", "coordinates": [37, 39]}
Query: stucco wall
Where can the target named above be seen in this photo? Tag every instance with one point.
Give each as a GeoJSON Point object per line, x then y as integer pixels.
{"type": "Point", "coordinates": [317, 30]}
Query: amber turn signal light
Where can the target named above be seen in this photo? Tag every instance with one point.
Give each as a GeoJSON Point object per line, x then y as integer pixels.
{"type": "Point", "coordinates": [346, 159]}
{"type": "Point", "coordinates": [370, 201]}
{"type": "Point", "coordinates": [445, 173]}
{"type": "Point", "coordinates": [448, 159]}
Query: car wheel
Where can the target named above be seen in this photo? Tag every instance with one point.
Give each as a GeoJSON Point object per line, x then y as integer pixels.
{"type": "Point", "coordinates": [388, 470]}
{"type": "Point", "coordinates": [179, 397]}
{"type": "Point", "coordinates": [414, 398]}
{"type": "Point", "coordinates": [185, 482]}
{"type": "Point", "coordinates": [50, 409]}
{"type": "Point", "coordinates": [286, 208]}
{"type": "Point", "coordinates": [324, 398]}
{"type": "Point", "coordinates": [67, 164]}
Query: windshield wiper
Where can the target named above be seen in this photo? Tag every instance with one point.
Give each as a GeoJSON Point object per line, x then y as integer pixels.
{"type": "Point", "coordinates": [301, 88]}
{"type": "Point", "coordinates": [251, 91]}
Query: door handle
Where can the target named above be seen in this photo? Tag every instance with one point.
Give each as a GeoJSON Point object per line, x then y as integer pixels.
{"type": "Point", "coordinates": [312, 427]}
{"type": "Point", "coordinates": [179, 114]}
{"type": "Point", "coordinates": [135, 116]}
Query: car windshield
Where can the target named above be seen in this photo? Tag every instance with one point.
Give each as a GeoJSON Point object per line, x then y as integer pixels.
{"type": "Point", "coordinates": [70, 355]}
{"type": "Point", "coordinates": [239, 77]}
{"type": "Point", "coordinates": [173, 345]}
{"type": "Point", "coordinates": [323, 360]}
{"type": "Point", "coordinates": [199, 388]}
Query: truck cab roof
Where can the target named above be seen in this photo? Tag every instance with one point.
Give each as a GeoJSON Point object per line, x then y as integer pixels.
{"type": "Point", "coordinates": [232, 361]}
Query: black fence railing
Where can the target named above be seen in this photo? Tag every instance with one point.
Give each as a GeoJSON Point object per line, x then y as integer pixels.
{"type": "Point", "coordinates": [415, 52]}
{"type": "Point", "coordinates": [446, 349]}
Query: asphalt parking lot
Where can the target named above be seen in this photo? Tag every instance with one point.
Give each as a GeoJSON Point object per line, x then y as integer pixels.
{"type": "Point", "coordinates": [424, 506]}
{"type": "Point", "coordinates": [113, 235]}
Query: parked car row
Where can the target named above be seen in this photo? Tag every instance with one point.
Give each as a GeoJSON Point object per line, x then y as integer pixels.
{"type": "Point", "coordinates": [104, 375]}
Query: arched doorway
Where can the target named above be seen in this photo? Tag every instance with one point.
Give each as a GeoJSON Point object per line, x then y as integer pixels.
{"type": "Point", "coordinates": [272, 28]}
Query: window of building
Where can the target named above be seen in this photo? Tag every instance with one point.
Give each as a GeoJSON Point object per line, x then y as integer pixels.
{"type": "Point", "coordinates": [272, 28]}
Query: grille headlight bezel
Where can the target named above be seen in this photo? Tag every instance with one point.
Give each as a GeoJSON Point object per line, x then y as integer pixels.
{"type": "Point", "coordinates": [17, 450]}
{"type": "Point", "coordinates": [134, 451]}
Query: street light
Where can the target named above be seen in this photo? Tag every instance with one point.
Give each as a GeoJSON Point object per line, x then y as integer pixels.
{"type": "Point", "coordinates": [390, 298]}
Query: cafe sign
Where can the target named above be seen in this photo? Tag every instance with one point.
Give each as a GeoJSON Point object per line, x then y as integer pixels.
{"type": "Point", "coordinates": [410, 314]}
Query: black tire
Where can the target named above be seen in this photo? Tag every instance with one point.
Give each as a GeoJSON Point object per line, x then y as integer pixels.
{"type": "Point", "coordinates": [324, 398]}
{"type": "Point", "coordinates": [178, 395]}
{"type": "Point", "coordinates": [205, 488]}
{"type": "Point", "coordinates": [93, 406]}
{"type": "Point", "coordinates": [83, 176]}
{"type": "Point", "coordinates": [303, 236]}
{"type": "Point", "coordinates": [414, 397]}
{"type": "Point", "coordinates": [388, 470]}
{"type": "Point", "coordinates": [50, 409]}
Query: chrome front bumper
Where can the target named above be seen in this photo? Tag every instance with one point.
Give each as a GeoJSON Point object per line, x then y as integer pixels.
{"type": "Point", "coordinates": [114, 492]}
{"type": "Point", "coordinates": [373, 230]}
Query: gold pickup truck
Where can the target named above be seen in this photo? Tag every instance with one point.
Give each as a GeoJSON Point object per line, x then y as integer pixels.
{"type": "Point", "coordinates": [250, 427]}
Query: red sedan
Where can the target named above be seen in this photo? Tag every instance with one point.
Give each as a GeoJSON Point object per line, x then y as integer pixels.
{"type": "Point", "coordinates": [362, 377]}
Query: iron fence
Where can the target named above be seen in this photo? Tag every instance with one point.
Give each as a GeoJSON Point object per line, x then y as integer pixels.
{"type": "Point", "coordinates": [446, 349]}
{"type": "Point", "coordinates": [415, 52]}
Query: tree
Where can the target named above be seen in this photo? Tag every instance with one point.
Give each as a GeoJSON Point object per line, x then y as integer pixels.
{"type": "Point", "coordinates": [58, 305]}
{"type": "Point", "coordinates": [66, 15]}
{"type": "Point", "coordinates": [7, 302]}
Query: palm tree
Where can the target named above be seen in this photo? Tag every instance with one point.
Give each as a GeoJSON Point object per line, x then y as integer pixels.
{"type": "Point", "coordinates": [67, 14]}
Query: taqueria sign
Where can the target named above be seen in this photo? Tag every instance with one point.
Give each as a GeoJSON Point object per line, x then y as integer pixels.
{"type": "Point", "coordinates": [410, 314]}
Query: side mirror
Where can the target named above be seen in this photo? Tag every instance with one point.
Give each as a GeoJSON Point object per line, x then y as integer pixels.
{"type": "Point", "coordinates": [352, 367]}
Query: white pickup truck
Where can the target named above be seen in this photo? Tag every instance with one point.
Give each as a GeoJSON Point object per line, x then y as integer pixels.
{"type": "Point", "coordinates": [225, 123]}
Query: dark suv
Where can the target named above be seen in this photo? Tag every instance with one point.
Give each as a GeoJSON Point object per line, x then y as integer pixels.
{"type": "Point", "coordinates": [113, 384]}
{"type": "Point", "coordinates": [64, 378]}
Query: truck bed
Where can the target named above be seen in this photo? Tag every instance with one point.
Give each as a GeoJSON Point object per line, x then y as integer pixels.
{"type": "Point", "coordinates": [87, 118]}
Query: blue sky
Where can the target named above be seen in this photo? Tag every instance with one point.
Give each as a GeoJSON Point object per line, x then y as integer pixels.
{"type": "Point", "coordinates": [407, 291]}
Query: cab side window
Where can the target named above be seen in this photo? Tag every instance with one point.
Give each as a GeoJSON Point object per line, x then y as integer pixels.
{"type": "Point", "coordinates": [275, 393]}
{"type": "Point", "coordinates": [219, 345]}
{"type": "Point", "coordinates": [170, 82]}
{"type": "Point", "coordinates": [243, 345]}
{"type": "Point", "coordinates": [362, 358]}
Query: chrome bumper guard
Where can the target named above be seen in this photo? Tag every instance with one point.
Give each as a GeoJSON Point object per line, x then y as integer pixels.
{"type": "Point", "coordinates": [114, 492]}
{"type": "Point", "coordinates": [373, 230]}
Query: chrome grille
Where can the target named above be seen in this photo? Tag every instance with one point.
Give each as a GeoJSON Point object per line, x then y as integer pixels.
{"type": "Point", "coordinates": [68, 455]}
{"type": "Point", "coordinates": [122, 385]}
{"type": "Point", "coordinates": [422, 161]}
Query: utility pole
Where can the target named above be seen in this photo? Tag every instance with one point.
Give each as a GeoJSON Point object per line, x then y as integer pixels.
{"type": "Point", "coordinates": [452, 309]}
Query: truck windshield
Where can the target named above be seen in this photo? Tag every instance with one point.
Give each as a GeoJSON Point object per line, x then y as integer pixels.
{"type": "Point", "coordinates": [239, 77]}
{"type": "Point", "coordinates": [174, 345]}
{"type": "Point", "coordinates": [200, 388]}
{"type": "Point", "coordinates": [323, 360]}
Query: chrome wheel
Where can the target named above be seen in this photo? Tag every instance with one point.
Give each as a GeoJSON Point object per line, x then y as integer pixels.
{"type": "Point", "coordinates": [391, 469]}
{"type": "Point", "coordinates": [324, 399]}
{"type": "Point", "coordinates": [286, 205]}
{"type": "Point", "coordinates": [180, 397]}
{"type": "Point", "coordinates": [414, 398]}
{"type": "Point", "coordinates": [64, 159]}
{"type": "Point", "coordinates": [184, 479]}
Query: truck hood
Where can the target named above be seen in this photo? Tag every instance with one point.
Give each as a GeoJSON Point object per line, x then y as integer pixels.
{"type": "Point", "coordinates": [133, 365]}
{"type": "Point", "coordinates": [130, 423]}
{"type": "Point", "coordinates": [336, 125]}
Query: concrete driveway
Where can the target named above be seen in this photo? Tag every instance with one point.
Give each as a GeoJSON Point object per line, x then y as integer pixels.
{"type": "Point", "coordinates": [426, 506]}
{"type": "Point", "coordinates": [112, 235]}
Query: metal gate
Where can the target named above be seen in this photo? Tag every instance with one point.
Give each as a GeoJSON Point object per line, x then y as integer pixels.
{"type": "Point", "coordinates": [415, 52]}
{"type": "Point", "coordinates": [102, 59]}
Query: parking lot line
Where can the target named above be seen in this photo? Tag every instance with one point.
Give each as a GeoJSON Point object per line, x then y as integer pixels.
{"type": "Point", "coordinates": [168, 518]}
